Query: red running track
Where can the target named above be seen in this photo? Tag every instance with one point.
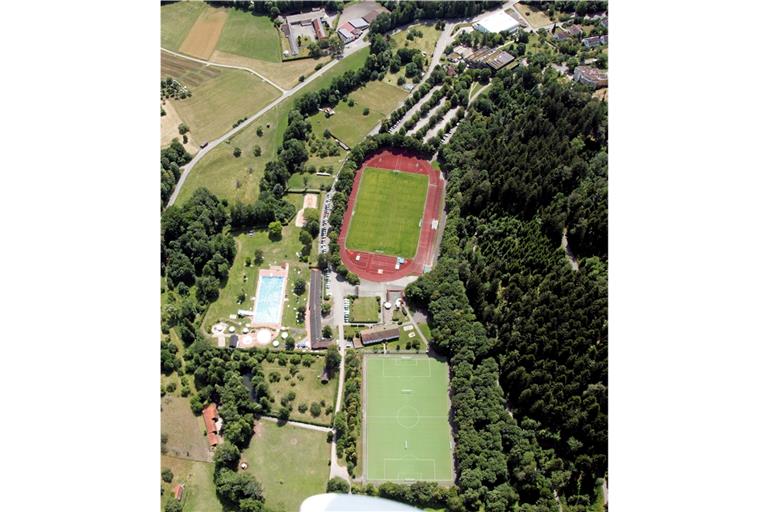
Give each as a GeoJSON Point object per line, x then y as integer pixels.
{"type": "Point", "coordinates": [381, 268]}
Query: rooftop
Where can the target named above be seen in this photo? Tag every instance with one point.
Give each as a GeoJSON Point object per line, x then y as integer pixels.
{"type": "Point", "coordinates": [379, 333]}
{"type": "Point", "coordinates": [498, 22]}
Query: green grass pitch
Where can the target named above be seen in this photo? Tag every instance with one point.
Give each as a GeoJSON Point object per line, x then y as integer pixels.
{"type": "Point", "coordinates": [406, 434]}
{"type": "Point", "coordinates": [387, 212]}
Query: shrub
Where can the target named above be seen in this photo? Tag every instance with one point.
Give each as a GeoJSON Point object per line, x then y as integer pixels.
{"type": "Point", "coordinates": [167, 475]}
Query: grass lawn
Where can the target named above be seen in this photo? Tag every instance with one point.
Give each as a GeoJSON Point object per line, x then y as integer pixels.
{"type": "Point", "coordinates": [349, 124]}
{"type": "Point", "coordinates": [365, 309]}
{"type": "Point", "coordinates": [197, 477]}
{"type": "Point", "coordinates": [175, 21]}
{"type": "Point", "coordinates": [186, 432]}
{"type": "Point", "coordinates": [290, 462]}
{"type": "Point", "coordinates": [217, 103]}
{"type": "Point", "coordinates": [406, 434]}
{"type": "Point", "coordinates": [250, 36]}
{"type": "Point", "coordinates": [534, 16]}
{"type": "Point", "coordinates": [221, 172]}
{"type": "Point", "coordinates": [308, 390]}
{"type": "Point", "coordinates": [426, 43]}
{"type": "Point", "coordinates": [296, 181]}
{"type": "Point", "coordinates": [354, 61]}
{"type": "Point", "coordinates": [387, 213]}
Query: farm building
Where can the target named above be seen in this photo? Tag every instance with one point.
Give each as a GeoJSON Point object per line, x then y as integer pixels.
{"type": "Point", "coordinates": [359, 23]}
{"type": "Point", "coordinates": [594, 77]}
{"type": "Point", "coordinates": [212, 424]}
{"type": "Point", "coordinates": [319, 30]}
{"type": "Point", "coordinates": [345, 35]}
{"type": "Point", "coordinates": [374, 13]}
{"type": "Point", "coordinates": [379, 334]}
{"type": "Point", "coordinates": [496, 23]}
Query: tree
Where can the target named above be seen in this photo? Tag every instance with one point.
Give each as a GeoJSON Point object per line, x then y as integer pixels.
{"type": "Point", "coordinates": [226, 455]}
{"type": "Point", "coordinates": [257, 151]}
{"type": "Point", "coordinates": [167, 475]}
{"type": "Point", "coordinates": [314, 49]}
{"type": "Point", "coordinates": [207, 289]}
{"type": "Point", "coordinates": [315, 409]}
{"type": "Point", "coordinates": [338, 485]}
{"type": "Point", "coordinates": [335, 45]}
{"type": "Point", "coordinates": [327, 332]}
{"type": "Point", "coordinates": [183, 128]}
{"type": "Point", "coordinates": [366, 111]}
{"type": "Point", "coordinates": [258, 255]}
{"type": "Point", "coordinates": [259, 130]}
{"type": "Point", "coordinates": [172, 505]}
{"type": "Point", "coordinates": [275, 231]}
{"type": "Point", "coordinates": [325, 308]}
{"type": "Point", "coordinates": [237, 152]}
{"type": "Point", "coordinates": [300, 286]}
{"type": "Point", "coordinates": [332, 358]}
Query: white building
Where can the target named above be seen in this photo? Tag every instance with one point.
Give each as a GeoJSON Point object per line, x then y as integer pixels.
{"type": "Point", "coordinates": [497, 22]}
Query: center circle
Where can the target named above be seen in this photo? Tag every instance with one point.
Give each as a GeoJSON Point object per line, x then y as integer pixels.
{"type": "Point", "coordinates": [407, 416]}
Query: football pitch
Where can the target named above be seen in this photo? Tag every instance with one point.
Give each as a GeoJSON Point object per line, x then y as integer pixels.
{"type": "Point", "coordinates": [406, 435]}
{"type": "Point", "coordinates": [387, 213]}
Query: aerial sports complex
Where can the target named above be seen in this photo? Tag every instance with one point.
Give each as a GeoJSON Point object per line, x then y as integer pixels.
{"type": "Point", "coordinates": [391, 225]}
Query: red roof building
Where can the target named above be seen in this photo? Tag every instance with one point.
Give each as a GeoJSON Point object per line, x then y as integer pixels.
{"type": "Point", "coordinates": [178, 492]}
{"type": "Point", "coordinates": [318, 26]}
{"type": "Point", "coordinates": [212, 424]}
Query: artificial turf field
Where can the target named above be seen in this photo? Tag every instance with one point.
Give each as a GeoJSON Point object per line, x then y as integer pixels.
{"type": "Point", "coordinates": [406, 435]}
{"type": "Point", "coordinates": [387, 214]}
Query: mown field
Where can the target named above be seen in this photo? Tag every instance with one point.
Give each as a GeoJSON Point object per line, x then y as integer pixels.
{"type": "Point", "coordinates": [387, 212]}
{"type": "Point", "coordinates": [307, 386]}
{"type": "Point", "coordinates": [175, 21]}
{"type": "Point", "coordinates": [426, 43]}
{"type": "Point", "coordinates": [290, 462]}
{"type": "Point", "coordinates": [250, 36]}
{"type": "Point", "coordinates": [204, 35]}
{"type": "Point", "coordinates": [185, 431]}
{"type": "Point", "coordinates": [349, 124]}
{"type": "Point", "coordinates": [365, 309]}
{"type": "Point", "coordinates": [197, 477]}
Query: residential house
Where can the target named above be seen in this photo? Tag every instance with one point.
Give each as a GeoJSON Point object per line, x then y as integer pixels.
{"type": "Point", "coordinates": [591, 76]}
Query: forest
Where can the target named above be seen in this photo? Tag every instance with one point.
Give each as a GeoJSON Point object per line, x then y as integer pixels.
{"type": "Point", "coordinates": [528, 162]}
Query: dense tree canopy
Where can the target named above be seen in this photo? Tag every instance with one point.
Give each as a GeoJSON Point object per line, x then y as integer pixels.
{"type": "Point", "coordinates": [507, 307]}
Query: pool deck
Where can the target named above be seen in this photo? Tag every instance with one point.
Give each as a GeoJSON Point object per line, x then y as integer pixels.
{"type": "Point", "coordinates": [272, 271]}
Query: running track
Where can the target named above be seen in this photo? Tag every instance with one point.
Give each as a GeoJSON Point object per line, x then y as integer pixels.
{"type": "Point", "coordinates": [381, 268]}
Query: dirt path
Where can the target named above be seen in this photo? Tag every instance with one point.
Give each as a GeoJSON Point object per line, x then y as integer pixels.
{"type": "Point", "coordinates": [230, 66]}
{"type": "Point", "coordinates": [336, 468]}
{"type": "Point", "coordinates": [568, 252]}
{"type": "Point", "coordinates": [299, 424]}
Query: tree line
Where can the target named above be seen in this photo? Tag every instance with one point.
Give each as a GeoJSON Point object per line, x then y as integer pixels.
{"type": "Point", "coordinates": [172, 159]}
{"type": "Point", "coordinates": [402, 13]}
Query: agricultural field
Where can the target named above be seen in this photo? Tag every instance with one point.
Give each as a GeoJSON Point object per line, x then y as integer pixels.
{"type": "Point", "coordinates": [365, 310]}
{"type": "Point", "coordinates": [307, 386]}
{"type": "Point", "coordinates": [406, 434]}
{"type": "Point", "coordinates": [185, 431]}
{"type": "Point", "coordinates": [349, 123]}
{"type": "Point", "coordinates": [535, 17]}
{"type": "Point", "coordinates": [290, 462]}
{"type": "Point", "coordinates": [250, 36]}
{"type": "Point", "coordinates": [176, 20]}
{"type": "Point", "coordinates": [197, 477]}
{"type": "Point", "coordinates": [169, 129]}
{"type": "Point", "coordinates": [387, 212]}
{"type": "Point", "coordinates": [220, 96]}
{"type": "Point", "coordinates": [228, 177]}
{"type": "Point", "coordinates": [204, 35]}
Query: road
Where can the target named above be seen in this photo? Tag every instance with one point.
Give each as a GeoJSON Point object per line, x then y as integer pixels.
{"type": "Point", "coordinates": [350, 49]}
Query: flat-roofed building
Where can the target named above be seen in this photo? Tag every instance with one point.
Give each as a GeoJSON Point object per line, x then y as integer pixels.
{"type": "Point", "coordinates": [359, 23]}
{"type": "Point", "coordinates": [496, 23]}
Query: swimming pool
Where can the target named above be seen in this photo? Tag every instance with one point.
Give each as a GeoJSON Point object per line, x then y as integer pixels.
{"type": "Point", "coordinates": [269, 300]}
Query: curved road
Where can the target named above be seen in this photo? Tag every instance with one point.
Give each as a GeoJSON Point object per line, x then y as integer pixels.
{"type": "Point", "coordinates": [350, 49]}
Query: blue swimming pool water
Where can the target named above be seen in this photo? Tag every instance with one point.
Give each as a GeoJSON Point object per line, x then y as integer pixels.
{"type": "Point", "coordinates": [270, 297]}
